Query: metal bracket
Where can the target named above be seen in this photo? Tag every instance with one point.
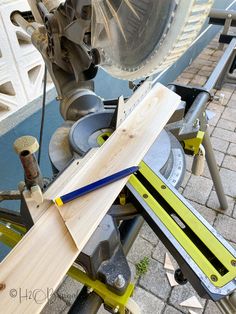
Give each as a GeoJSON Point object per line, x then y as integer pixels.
{"type": "Point", "coordinates": [225, 18]}
{"type": "Point", "coordinates": [192, 145]}
{"type": "Point", "coordinates": [196, 99]}
{"type": "Point", "coordinates": [10, 195]}
{"type": "Point", "coordinates": [112, 300]}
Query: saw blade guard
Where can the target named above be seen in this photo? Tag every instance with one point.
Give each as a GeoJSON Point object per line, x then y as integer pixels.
{"type": "Point", "coordinates": [137, 38]}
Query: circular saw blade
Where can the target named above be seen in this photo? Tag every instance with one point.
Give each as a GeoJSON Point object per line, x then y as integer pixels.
{"type": "Point", "coordinates": [128, 31]}
{"type": "Point", "coordinates": [137, 38]}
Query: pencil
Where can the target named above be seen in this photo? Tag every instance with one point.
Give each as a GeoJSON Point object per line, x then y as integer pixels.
{"type": "Point", "coordinates": [95, 185]}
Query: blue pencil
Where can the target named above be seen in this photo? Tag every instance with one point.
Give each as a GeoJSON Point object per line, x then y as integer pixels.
{"type": "Point", "coordinates": [95, 185]}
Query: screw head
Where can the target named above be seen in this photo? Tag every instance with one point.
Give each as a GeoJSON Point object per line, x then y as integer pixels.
{"type": "Point", "coordinates": [233, 263]}
{"type": "Point", "coordinates": [145, 196]}
{"type": "Point", "coordinates": [163, 187]}
{"type": "Point", "coordinates": [119, 282]}
{"type": "Point", "coordinates": [196, 123]}
{"type": "Point", "coordinates": [214, 278]}
{"type": "Point", "coordinates": [116, 309]}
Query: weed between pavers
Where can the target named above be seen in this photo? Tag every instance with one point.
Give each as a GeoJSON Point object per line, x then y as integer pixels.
{"type": "Point", "coordinates": [142, 266]}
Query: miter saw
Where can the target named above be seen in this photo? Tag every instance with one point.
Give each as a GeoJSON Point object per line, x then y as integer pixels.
{"type": "Point", "coordinates": [130, 39]}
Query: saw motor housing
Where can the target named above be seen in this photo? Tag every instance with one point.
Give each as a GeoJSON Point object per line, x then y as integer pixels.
{"type": "Point", "coordinates": [128, 39]}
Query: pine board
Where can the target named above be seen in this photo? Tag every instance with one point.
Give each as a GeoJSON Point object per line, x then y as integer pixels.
{"type": "Point", "coordinates": [42, 258]}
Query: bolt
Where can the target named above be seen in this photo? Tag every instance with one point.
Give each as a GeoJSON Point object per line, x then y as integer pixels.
{"type": "Point", "coordinates": [216, 98]}
{"type": "Point", "coordinates": [219, 98]}
{"type": "Point", "coordinates": [214, 278]}
{"type": "Point", "coordinates": [196, 123]}
{"type": "Point", "coordinates": [131, 85]}
{"type": "Point", "coordinates": [233, 263]}
{"type": "Point", "coordinates": [119, 282]}
{"type": "Point", "coordinates": [89, 290]}
{"type": "Point", "coordinates": [116, 309]}
{"type": "Point", "coordinates": [59, 98]}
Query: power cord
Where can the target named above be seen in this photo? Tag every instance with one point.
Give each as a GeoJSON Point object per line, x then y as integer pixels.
{"type": "Point", "coordinates": [43, 114]}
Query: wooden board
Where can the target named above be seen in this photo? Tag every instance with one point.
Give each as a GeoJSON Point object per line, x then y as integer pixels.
{"type": "Point", "coordinates": [36, 266]}
{"type": "Point", "coordinates": [125, 148]}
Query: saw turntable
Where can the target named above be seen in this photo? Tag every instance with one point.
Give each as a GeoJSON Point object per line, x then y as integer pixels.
{"type": "Point", "coordinates": [130, 39]}
{"type": "Point", "coordinates": [75, 139]}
